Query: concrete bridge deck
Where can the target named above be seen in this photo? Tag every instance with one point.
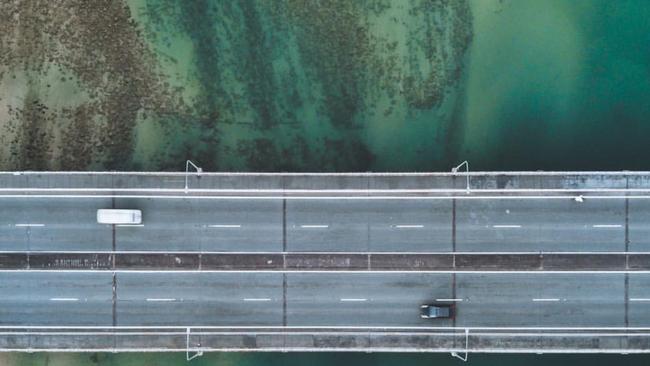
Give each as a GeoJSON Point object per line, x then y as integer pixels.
{"type": "Point", "coordinates": [534, 261]}
{"type": "Point", "coordinates": [327, 262]}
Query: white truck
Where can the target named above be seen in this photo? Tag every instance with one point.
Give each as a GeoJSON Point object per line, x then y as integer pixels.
{"type": "Point", "coordinates": [119, 216]}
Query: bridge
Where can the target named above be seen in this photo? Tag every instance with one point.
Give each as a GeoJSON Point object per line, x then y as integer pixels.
{"type": "Point", "coordinates": [534, 262]}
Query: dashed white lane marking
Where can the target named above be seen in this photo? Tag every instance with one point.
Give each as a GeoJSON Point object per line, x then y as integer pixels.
{"type": "Point", "coordinates": [223, 226]}
{"type": "Point", "coordinates": [639, 299]}
{"type": "Point", "coordinates": [353, 300]}
{"type": "Point", "coordinates": [64, 299]}
{"type": "Point", "coordinates": [506, 226]}
{"type": "Point", "coordinates": [449, 300]}
{"type": "Point", "coordinates": [30, 225]}
{"type": "Point", "coordinates": [314, 226]}
{"type": "Point", "coordinates": [409, 226]}
{"type": "Point", "coordinates": [160, 299]}
{"type": "Point", "coordinates": [546, 299]}
{"type": "Point", "coordinates": [257, 299]}
{"type": "Point", "coordinates": [607, 226]}
{"type": "Point", "coordinates": [130, 225]}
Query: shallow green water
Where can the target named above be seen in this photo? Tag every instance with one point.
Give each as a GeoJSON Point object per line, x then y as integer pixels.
{"type": "Point", "coordinates": [338, 85]}
{"type": "Point", "coordinates": [555, 85]}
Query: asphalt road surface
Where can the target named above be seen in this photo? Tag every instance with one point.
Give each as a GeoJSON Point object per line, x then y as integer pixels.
{"type": "Point", "coordinates": [259, 225]}
{"type": "Point", "coordinates": [317, 299]}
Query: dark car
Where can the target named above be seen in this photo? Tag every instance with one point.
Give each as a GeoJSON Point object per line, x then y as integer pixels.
{"type": "Point", "coordinates": [437, 311]}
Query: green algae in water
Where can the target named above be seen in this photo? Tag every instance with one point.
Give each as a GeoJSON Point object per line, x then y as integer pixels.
{"type": "Point", "coordinates": [294, 86]}
{"type": "Point", "coordinates": [251, 85]}
{"type": "Point", "coordinates": [324, 86]}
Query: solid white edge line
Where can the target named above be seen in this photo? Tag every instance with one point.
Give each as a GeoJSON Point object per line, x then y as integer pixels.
{"type": "Point", "coordinates": [335, 327]}
{"type": "Point", "coordinates": [64, 299]}
{"type": "Point", "coordinates": [314, 226]}
{"type": "Point", "coordinates": [506, 226]}
{"type": "Point", "coordinates": [330, 190]}
{"type": "Point", "coordinates": [546, 300]}
{"type": "Point", "coordinates": [639, 299]}
{"type": "Point", "coordinates": [449, 300]}
{"type": "Point", "coordinates": [303, 252]}
{"type": "Point", "coordinates": [450, 333]}
{"type": "Point", "coordinates": [447, 334]}
{"type": "Point", "coordinates": [29, 225]}
{"type": "Point", "coordinates": [130, 225]}
{"type": "Point", "coordinates": [283, 349]}
{"type": "Point", "coordinates": [326, 174]}
{"type": "Point", "coordinates": [288, 271]}
{"type": "Point", "coordinates": [352, 300]}
{"type": "Point", "coordinates": [409, 226]}
{"type": "Point", "coordinates": [453, 333]}
{"type": "Point", "coordinates": [284, 197]}
{"type": "Point", "coordinates": [313, 252]}
{"type": "Point", "coordinates": [607, 226]}
{"type": "Point", "coordinates": [225, 226]}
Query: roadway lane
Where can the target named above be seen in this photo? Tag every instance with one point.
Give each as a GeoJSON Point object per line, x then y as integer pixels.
{"type": "Point", "coordinates": [360, 225]}
{"type": "Point", "coordinates": [541, 300]}
{"type": "Point", "coordinates": [639, 300]}
{"type": "Point", "coordinates": [55, 299]}
{"type": "Point", "coordinates": [194, 299]}
{"type": "Point", "coordinates": [203, 225]}
{"type": "Point", "coordinates": [327, 225]}
{"type": "Point", "coordinates": [553, 225]}
{"type": "Point", "coordinates": [510, 225]}
{"type": "Point", "coordinates": [639, 225]}
{"type": "Point", "coordinates": [319, 299]}
{"type": "Point", "coordinates": [52, 224]}
{"type": "Point", "coordinates": [363, 299]}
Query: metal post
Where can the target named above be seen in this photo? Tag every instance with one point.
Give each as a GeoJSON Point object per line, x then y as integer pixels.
{"type": "Point", "coordinates": [187, 351]}
{"type": "Point", "coordinates": [464, 357]}
{"type": "Point", "coordinates": [455, 170]}
{"type": "Point", "coordinates": [199, 170]}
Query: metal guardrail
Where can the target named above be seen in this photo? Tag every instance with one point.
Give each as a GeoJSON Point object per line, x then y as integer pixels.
{"type": "Point", "coordinates": [196, 340]}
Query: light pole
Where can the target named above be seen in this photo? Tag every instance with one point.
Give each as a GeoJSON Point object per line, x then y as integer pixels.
{"type": "Point", "coordinates": [455, 170]}
{"type": "Point", "coordinates": [455, 354]}
{"type": "Point", "coordinates": [198, 353]}
{"type": "Point", "coordinates": [199, 170]}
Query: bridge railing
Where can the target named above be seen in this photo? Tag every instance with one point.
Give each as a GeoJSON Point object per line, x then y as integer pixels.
{"type": "Point", "coordinates": [194, 340]}
{"type": "Point", "coordinates": [324, 184]}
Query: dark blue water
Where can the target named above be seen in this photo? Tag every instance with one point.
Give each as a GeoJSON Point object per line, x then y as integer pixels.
{"type": "Point", "coordinates": [320, 359]}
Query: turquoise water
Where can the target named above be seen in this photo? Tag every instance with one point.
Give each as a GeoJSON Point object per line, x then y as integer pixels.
{"type": "Point", "coordinates": [554, 84]}
{"type": "Point", "coordinates": [559, 85]}
{"type": "Point", "coordinates": [339, 85]}
{"type": "Point", "coordinates": [305, 86]}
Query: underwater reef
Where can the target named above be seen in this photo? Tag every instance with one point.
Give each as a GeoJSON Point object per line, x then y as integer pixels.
{"type": "Point", "coordinates": [290, 85]}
